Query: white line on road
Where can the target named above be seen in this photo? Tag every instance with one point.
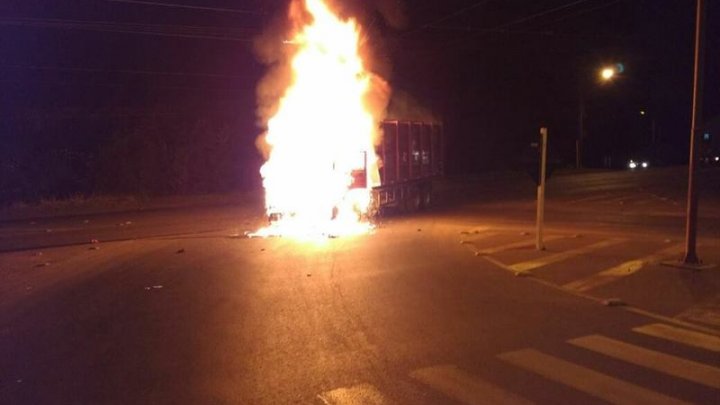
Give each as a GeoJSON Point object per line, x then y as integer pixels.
{"type": "Point", "coordinates": [515, 245]}
{"type": "Point", "coordinates": [544, 261]}
{"type": "Point", "coordinates": [622, 270]}
{"type": "Point", "coordinates": [679, 335]}
{"type": "Point", "coordinates": [664, 363]}
{"type": "Point", "coordinates": [464, 387]}
{"type": "Point", "coordinates": [586, 380]}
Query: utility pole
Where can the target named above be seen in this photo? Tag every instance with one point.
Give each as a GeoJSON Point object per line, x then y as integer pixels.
{"type": "Point", "coordinates": [581, 130]}
{"type": "Point", "coordinates": [539, 245]}
{"type": "Point", "coordinates": [692, 198]}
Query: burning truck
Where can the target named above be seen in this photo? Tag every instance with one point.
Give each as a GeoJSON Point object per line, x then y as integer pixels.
{"type": "Point", "coordinates": [332, 160]}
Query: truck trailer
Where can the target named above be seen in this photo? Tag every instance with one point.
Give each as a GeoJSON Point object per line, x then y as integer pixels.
{"type": "Point", "coordinates": [411, 155]}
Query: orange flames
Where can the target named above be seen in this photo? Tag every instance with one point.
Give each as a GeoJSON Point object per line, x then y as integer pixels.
{"type": "Point", "coordinates": [321, 163]}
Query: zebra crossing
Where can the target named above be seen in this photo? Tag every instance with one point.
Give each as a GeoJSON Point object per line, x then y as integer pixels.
{"type": "Point", "coordinates": [492, 244]}
{"type": "Point", "coordinates": [457, 385]}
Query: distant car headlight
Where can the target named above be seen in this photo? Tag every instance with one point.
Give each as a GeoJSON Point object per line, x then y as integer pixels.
{"type": "Point", "coordinates": [717, 158]}
{"type": "Point", "coordinates": [645, 165]}
{"type": "Point", "coordinates": [632, 165]}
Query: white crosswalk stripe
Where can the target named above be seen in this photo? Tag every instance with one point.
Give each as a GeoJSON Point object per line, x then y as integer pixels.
{"type": "Point", "coordinates": [558, 257]}
{"type": "Point", "coordinates": [465, 387]}
{"type": "Point", "coordinates": [664, 363]}
{"type": "Point", "coordinates": [622, 270]}
{"type": "Point", "coordinates": [610, 389]}
{"type": "Point", "coordinates": [680, 335]}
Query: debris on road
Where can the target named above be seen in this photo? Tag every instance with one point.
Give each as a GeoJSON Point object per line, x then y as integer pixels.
{"type": "Point", "coordinates": [45, 264]}
{"type": "Point", "coordinates": [419, 230]}
{"type": "Point", "coordinates": [524, 233]}
{"type": "Point", "coordinates": [180, 251]}
{"type": "Point", "coordinates": [154, 287]}
{"type": "Point", "coordinates": [94, 248]}
{"type": "Point", "coordinates": [613, 302]}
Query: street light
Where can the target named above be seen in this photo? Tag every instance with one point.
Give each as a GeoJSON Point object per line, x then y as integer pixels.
{"type": "Point", "coordinates": [607, 74]}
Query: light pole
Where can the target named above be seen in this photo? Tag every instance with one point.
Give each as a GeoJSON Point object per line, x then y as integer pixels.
{"type": "Point", "coordinates": [690, 257]}
{"type": "Point", "coordinates": [606, 75]}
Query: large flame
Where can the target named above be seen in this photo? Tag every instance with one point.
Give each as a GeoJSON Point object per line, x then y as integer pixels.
{"type": "Point", "coordinates": [322, 163]}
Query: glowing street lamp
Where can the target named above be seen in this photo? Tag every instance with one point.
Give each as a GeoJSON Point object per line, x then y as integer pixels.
{"type": "Point", "coordinates": [608, 73]}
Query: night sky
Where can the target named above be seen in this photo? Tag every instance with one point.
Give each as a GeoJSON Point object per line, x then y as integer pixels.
{"type": "Point", "coordinates": [80, 77]}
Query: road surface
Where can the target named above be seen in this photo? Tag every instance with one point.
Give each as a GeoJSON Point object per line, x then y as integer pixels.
{"type": "Point", "coordinates": [452, 306]}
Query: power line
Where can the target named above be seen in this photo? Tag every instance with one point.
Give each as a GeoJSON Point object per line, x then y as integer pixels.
{"type": "Point", "coordinates": [123, 71]}
{"type": "Point", "coordinates": [140, 29]}
{"type": "Point", "coordinates": [582, 12]}
{"type": "Point", "coordinates": [448, 16]}
{"type": "Point", "coordinates": [187, 6]}
{"type": "Point", "coordinates": [528, 18]}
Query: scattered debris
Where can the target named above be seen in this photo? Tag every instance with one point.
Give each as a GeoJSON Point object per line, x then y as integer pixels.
{"type": "Point", "coordinates": [614, 302]}
{"type": "Point", "coordinates": [181, 250]}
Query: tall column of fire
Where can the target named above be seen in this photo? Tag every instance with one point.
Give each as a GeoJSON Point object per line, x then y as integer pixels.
{"type": "Point", "coordinates": [320, 137]}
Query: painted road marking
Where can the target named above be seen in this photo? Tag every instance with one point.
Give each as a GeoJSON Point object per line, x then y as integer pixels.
{"type": "Point", "coordinates": [623, 270]}
{"type": "Point", "coordinates": [664, 363]}
{"type": "Point", "coordinates": [516, 245]}
{"type": "Point", "coordinates": [554, 258]}
{"type": "Point", "coordinates": [680, 335]}
{"type": "Point", "coordinates": [363, 394]}
{"type": "Point", "coordinates": [586, 380]}
{"type": "Point", "coordinates": [465, 387]}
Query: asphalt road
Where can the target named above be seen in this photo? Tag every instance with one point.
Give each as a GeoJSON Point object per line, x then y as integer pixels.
{"type": "Point", "coordinates": [452, 306]}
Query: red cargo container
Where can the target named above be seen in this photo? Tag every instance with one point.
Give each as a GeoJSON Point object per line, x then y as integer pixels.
{"type": "Point", "coordinates": [411, 156]}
